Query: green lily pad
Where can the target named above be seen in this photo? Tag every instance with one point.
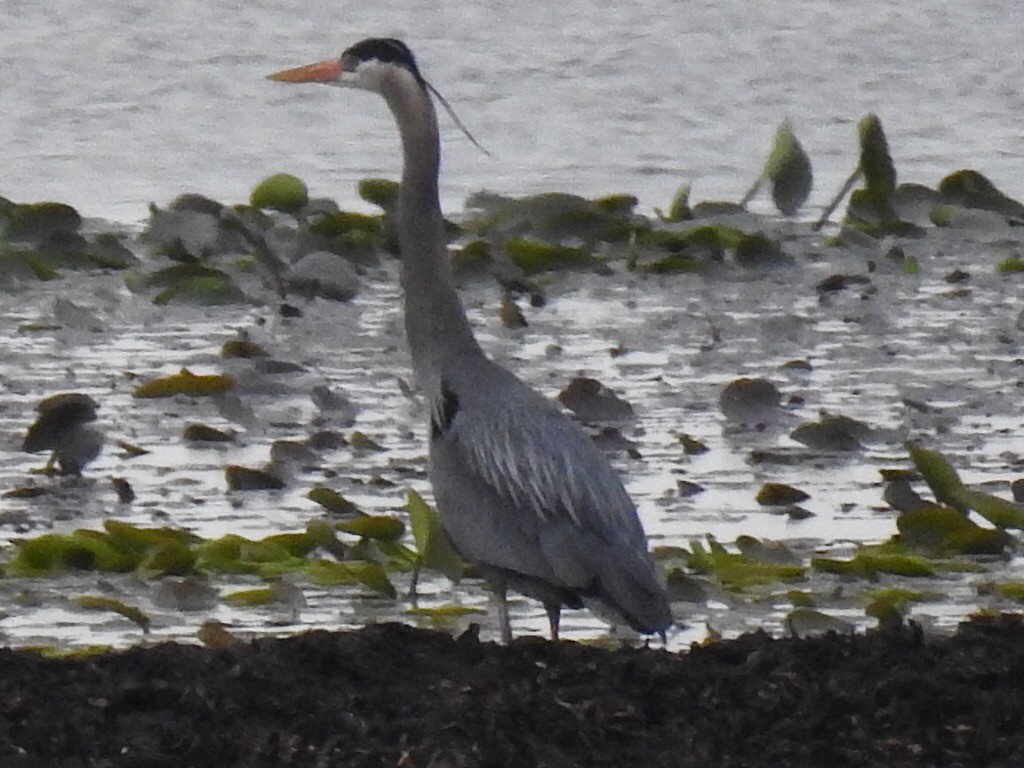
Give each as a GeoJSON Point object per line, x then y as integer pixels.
{"type": "Point", "coordinates": [333, 501]}
{"type": "Point", "coordinates": [938, 529]}
{"type": "Point", "coordinates": [940, 475]}
{"type": "Point", "coordinates": [32, 222]}
{"type": "Point", "coordinates": [433, 546]}
{"type": "Point", "coordinates": [780, 494]}
{"type": "Point", "coordinates": [737, 571]}
{"type": "Point", "coordinates": [201, 433]}
{"type": "Point", "coordinates": [1000, 512]}
{"type": "Point", "coordinates": [328, 573]}
{"type": "Point", "coordinates": [875, 161]}
{"type": "Point", "coordinates": [282, 192]}
{"type": "Point", "coordinates": [380, 527]}
{"type": "Point", "coordinates": [185, 383]}
{"type": "Point", "coordinates": [100, 603]}
{"type": "Point", "coordinates": [381, 192]}
{"type": "Point", "coordinates": [209, 291]}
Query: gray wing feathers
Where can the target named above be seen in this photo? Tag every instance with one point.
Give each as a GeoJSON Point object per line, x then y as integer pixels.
{"type": "Point", "coordinates": [533, 456]}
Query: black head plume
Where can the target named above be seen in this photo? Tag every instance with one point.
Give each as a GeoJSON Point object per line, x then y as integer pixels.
{"type": "Point", "coordinates": [386, 50]}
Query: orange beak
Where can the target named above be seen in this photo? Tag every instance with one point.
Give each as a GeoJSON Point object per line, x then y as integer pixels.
{"type": "Point", "coordinates": [321, 72]}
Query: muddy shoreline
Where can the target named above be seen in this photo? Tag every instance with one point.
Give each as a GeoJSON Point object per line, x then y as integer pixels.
{"type": "Point", "coordinates": [393, 695]}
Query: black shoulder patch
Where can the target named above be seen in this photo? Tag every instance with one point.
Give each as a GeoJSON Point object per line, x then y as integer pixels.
{"type": "Point", "coordinates": [441, 418]}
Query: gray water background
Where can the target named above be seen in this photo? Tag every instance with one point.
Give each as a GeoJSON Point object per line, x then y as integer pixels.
{"type": "Point", "coordinates": [109, 104]}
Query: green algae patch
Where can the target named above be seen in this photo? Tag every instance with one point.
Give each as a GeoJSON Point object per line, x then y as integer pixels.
{"type": "Point", "coordinates": [281, 192]}
{"type": "Point", "coordinates": [185, 383]}
{"type": "Point", "coordinates": [533, 256]}
{"type": "Point", "coordinates": [101, 603]}
{"type": "Point", "coordinates": [381, 192]}
{"type": "Point", "coordinates": [737, 571]}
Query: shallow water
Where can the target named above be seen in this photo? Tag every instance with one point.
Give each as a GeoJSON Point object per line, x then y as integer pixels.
{"type": "Point", "coordinates": [131, 102]}
{"type": "Point", "coordinates": [678, 340]}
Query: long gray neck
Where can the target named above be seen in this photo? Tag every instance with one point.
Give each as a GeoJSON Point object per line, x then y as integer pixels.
{"type": "Point", "coordinates": [435, 321]}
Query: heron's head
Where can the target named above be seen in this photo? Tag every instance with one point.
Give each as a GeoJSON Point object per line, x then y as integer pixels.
{"type": "Point", "coordinates": [367, 65]}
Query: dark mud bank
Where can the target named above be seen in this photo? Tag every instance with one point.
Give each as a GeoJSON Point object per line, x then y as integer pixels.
{"type": "Point", "coordinates": [390, 695]}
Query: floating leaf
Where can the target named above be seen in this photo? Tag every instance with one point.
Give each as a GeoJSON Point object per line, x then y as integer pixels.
{"type": "Point", "coordinates": [532, 256]}
{"type": "Point", "coordinates": [380, 192]}
{"type": "Point", "coordinates": [780, 494]}
{"type": "Point", "coordinates": [868, 564]}
{"type": "Point", "coordinates": [213, 634]}
{"type": "Point", "coordinates": [185, 383]}
{"type": "Point", "coordinates": [679, 208]}
{"type": "Point", "coordinates": [202, 291]}
{"type": "Point", "coordinates": [805, 622]}
{"type": "Point", "coordinates": [363, 442]}
{"type": "Point", "coordinates": [329, 573]}
{"type": "Point", "coordinates": [1000, 512]}
{"type": "Point", "coordinates": [736, 571]}
{"type": "Point", "coordinates": [433, 546]}
{"type": "Point", "coordinates": [248, 479]}
{"type": "Point", "coordinates": [99, 603]}
{"type": "Point", "coordinates": [380, 527]}
{"type": "Point", "coordinates": [940, 475]}
{"type": "Point", "coordinates": [35, 221]}
{"type": "Point", "coordinates": [347, 224]}
{"type": "Point", "coordinates": [875, 161]}
{"type": "Point", "coordinates": [201, 433]}
{"type": "Point", "coordinates": [278, 593]}
{"type": "Point", "coordinates": [938, 529]}
{"type": "Point", "coordinates": [333, 501]}
{"type": "Point", "coordinates": [242, 348]}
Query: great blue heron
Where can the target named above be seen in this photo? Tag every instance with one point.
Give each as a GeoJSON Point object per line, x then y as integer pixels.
{"type": "Point", "coordinates": [521, 490]}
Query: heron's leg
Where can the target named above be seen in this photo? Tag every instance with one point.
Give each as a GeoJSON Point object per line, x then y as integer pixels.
{"type": "Point", "coordinates": [554, 615]}
{"type": "Point", "coordinates": [504, 626]}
